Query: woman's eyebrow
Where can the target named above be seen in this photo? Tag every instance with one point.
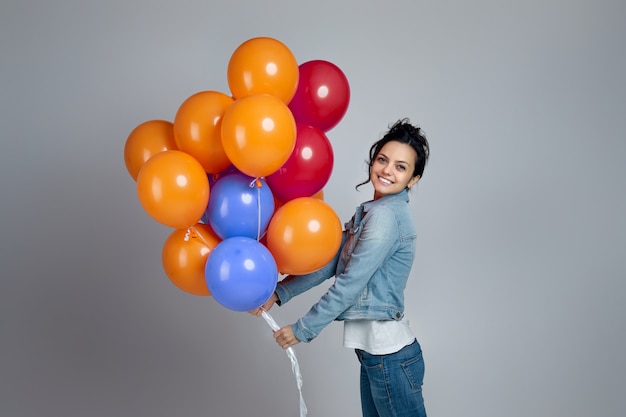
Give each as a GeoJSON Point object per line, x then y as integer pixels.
{"type": "Point", "coordinates": [382, 154]}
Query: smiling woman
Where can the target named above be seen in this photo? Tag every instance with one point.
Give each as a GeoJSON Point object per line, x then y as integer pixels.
{"type": "Point", "coordinates": [371, 269]}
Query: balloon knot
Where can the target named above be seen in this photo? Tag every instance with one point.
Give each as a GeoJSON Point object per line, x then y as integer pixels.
{"type": "Point", "coordinates": [191, 233]}
{"type": "Point", "coordinates": [256, 182]}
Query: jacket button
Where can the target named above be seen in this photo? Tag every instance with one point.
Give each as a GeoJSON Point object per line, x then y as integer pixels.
{"type": "Point", "coordinates": [398, 315]}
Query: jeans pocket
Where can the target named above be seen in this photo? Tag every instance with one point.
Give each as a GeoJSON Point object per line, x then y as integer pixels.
{"type": "Point", "coordinates": [414, 371]}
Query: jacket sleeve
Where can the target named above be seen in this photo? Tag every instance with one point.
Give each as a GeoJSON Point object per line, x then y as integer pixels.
{"type": "Point", "coordinates": [374, 245]}
{"type": "Point", "coordinates": [293, 285]}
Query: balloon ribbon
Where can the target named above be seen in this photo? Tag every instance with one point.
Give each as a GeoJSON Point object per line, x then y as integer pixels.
{"type": "Point", "coordinates": [294, 362]}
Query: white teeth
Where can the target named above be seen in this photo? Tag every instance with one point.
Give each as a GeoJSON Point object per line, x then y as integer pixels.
{"type": "Point", "coordinates": [385, 181]}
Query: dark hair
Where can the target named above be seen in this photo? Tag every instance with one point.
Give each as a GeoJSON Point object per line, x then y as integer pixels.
{"type": "Point", "coordinates": [404, 132]}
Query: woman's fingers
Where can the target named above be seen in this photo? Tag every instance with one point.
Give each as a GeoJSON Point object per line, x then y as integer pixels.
{"type": "Point", "coordinates": [285, 337]}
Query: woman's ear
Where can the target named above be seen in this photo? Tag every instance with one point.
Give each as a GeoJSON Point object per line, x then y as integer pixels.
{"type": "Point", "coordinates": [413, 181]}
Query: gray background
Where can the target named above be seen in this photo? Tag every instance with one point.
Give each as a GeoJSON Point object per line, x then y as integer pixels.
{"type": "Point", "coordinates": [518, 288]}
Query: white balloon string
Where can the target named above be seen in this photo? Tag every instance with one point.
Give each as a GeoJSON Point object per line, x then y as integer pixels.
{"type": "Point", "coordinates": [258, 220]}
{"type": "Point", "coordinates": [257, 182]}
{"type": "Point", "coordinates": [295, 368]}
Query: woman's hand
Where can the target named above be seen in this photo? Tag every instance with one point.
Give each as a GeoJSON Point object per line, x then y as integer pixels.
{"type": "Point", "coordinates": [266, 306]}
{"type": "Point", "coordinates": [285, 337]}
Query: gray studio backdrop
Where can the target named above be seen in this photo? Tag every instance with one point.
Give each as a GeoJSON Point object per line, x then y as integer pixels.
{"type": "Point", "coordinates": [517, 290]}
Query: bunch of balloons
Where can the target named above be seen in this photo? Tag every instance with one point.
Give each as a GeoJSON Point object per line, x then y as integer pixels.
{"type": "Point", "coordinates": [240, 177]}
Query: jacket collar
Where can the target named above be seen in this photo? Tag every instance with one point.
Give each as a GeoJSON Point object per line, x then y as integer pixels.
{"type": "Point", "coordinates": [401, 196]}
{"type": "Point", "coordinates": [368, 205]}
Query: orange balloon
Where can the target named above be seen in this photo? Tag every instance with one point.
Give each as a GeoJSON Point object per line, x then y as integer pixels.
{"type": "Point", "coordinates": [173, 188]}
{"type": "Point", "coordinates": [145, 141]}
{"type": "Point", "coordinates": [258, 134]}
{"type": "Point", "coordinates": [197, 129]}
{"type": "Point", "coordinates": [303, 235]}
{"type": "Point", "coordinates": [263, 66]}
{"type": "Point", "coordinates": [184, 260]}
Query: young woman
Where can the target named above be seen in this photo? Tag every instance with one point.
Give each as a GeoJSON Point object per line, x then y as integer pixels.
{"type": "Point", "coordinates": [371, 269]}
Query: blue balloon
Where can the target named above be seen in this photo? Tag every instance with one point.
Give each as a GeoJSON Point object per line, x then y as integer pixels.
{"type": "Point", "coordinates": [239, 207]}
{"type": "Point", "coordinates": [241, 273]}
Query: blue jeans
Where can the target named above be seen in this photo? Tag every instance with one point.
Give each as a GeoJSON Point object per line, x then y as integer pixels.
{"type": "Point", "coordinates": [391, 385]}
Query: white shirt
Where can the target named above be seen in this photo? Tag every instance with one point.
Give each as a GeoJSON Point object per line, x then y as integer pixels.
{"type": "Point", "coordinates": [377, 337]}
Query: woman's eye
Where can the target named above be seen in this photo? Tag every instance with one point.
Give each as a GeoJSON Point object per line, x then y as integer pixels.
{"type": "Point", "coordinates": [381, 159]}
{"type": "Point", "coordinates": [401, 167]}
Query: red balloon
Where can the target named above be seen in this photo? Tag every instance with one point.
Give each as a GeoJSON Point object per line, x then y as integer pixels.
{"type": "Point", "coordinates": [308, 168]}
{"type": "Point", "coordinates": [322, 97]}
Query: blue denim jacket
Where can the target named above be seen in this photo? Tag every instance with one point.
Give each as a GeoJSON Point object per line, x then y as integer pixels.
{"type": "Point", "coordinates": [371, 269]}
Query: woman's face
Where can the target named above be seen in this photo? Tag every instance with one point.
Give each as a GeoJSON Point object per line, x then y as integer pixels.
{"type": "Point", "coordinates": [392, 169]}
